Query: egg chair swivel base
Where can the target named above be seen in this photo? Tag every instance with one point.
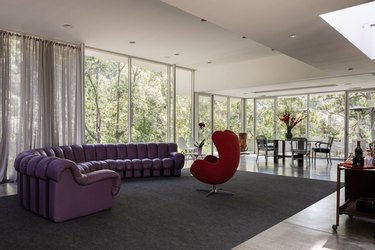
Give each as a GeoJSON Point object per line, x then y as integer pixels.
{"type": "Point", "coordinates": [218, 170]}
{"type": "Point", "coordinates": [215, 190]}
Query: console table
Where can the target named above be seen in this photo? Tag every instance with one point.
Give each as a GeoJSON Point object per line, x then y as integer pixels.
{"type": "Point", "coordinates": [359, 182]}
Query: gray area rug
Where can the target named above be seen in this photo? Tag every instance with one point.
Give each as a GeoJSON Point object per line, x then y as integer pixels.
{"type": "Point", "coordinates": [168, 213]}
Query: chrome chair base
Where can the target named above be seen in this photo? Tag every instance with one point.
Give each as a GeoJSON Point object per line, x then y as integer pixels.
{"type": "Point", "coordinates": [215, 190]}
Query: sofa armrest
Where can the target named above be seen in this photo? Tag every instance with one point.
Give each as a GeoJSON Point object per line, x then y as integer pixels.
{"type": "Point", "coordinates": [101, 175]}
{"type": "Point", "coordinates": [48, 167]}
{"type": "Point", "coordinates": [178, 158]}
{"type": "Point", "coordinates": [56, 168]}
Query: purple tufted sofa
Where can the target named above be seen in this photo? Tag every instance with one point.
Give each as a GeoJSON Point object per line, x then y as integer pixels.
{"type": "Point", "coordinates": [66, 182]}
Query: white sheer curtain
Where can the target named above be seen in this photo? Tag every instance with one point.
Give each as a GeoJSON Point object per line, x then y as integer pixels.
{"type": "Point", "coordinates": [41, 96]}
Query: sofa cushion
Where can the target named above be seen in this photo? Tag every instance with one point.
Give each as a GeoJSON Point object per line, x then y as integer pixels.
{"type": "Point", "coordinates": [122, 152]}
{"type": "Point", "coordinates": [132, 151]}
{"type": "Point", "coordinates": [162, 150]}
{"type": "Point", "coordinates": [101, 153]}
{"type": "Point", "coordinates": [111, 151]}
{"type": "Point", "coordinates": [78, 152]}
{"type": "Point", "coordinates": [152, 150]}
{"type": "Point", "coordinates": [90, 153]}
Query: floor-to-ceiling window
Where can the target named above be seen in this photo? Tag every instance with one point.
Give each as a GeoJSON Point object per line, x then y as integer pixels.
{"type": "Point", "coordinates": [220, 112]}
{"type": "Point", "coordinates": [361, 118]}
{"type": "Point", "coordinates": [106, 99]}
{"type": "Point", "coordinates": [155, 110]}
{"type": "Point", "coordinates": [264, 117]}
{"type": "Point", "coordinates": [296, 106]}
{"type": "Point", "coordinates": [235, 115]}
{"type": "Point", "coordinates": [183, 103]}
{"type": "Point", "coordinates": [327, 118]}
{"type": "Point", "coordinates": [149, 104]}
{"type": "Point", "coordinates": [323, 116]}
{"type": "Point", "coordinates": [250, 124]}
{"type": "Point", "coordinates": [204, 115]}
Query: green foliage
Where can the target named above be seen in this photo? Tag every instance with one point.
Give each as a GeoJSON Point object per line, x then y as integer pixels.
{"type": "Point", "coordinates": [235, 115]}
{"type": "Point", "coordinates": [149, 105]}
{"type": "Point", "coordinates": [183, 116]}
{"type": "Point", "coordinates": [205, 116]}
{"type": "Point", "coordinates": [220, 112]}
{"type": "Point", "coordinates": [106, 103]}
{"type": "Point", "coordinates": [106, 97]}
{"type": "Point", "coordinates": [265, 117]}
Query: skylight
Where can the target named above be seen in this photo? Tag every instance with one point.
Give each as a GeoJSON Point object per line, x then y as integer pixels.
{"type": "Point", "coordinates": [357, 24]}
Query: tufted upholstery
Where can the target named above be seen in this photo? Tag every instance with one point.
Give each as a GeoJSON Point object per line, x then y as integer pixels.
{"type": "Point", "coordinates": [61, 183]}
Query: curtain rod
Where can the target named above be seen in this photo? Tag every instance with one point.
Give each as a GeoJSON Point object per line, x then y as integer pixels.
{"type": "Point", "coordinates": [39, 38]}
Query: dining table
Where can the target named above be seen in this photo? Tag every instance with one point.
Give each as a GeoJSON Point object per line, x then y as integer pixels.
{"type": "Point", "coordinates": [283, 154]}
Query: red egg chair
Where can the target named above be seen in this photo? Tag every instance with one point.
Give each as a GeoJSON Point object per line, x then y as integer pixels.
{"type": "Point", "coordinates": [218, 170]}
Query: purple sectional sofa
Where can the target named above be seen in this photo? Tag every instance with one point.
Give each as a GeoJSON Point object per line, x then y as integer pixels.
{"type": "Point", "coordinates": [66, 182]}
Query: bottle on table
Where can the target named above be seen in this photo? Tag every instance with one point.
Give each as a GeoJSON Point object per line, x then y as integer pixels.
{"type": "Point", "coordinates": [358, 160]}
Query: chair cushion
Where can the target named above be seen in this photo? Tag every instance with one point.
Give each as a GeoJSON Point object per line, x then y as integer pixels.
{"type": "Point", "coordinates": [322, 150]}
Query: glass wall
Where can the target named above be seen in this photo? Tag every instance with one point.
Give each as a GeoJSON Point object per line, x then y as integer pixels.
{"type": "Point", "coordinates": [264, 117]}
{"type": "Point", "coordinates": [361, 118]}
{"type": "Point", "coordinates": [227, 114]}
{"type": "Point", "coordinates": [220, 113]}
{"type": "Point", "coordinates": [149, 101]}
{"type": "Point", "coordinates": [296, 106]}
{"type": "Point", "coordinates": [106, 99]}
{"type": "Point", "coordinates": [183, 104]}
{"type": "Point", "coordinates": [250, 124]}
{"type": "Point", "coordinates": [150, 112]}
{"type": "Point", "coordinates": [149, 115]}
{"type": "Point", "coordinates": [204, 115]}
{"type": "Point", "coordinates": [327, 118]}
{"type": "Point", "coordinates": [235, 115]}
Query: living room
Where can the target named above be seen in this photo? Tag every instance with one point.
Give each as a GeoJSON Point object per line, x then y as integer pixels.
{"type": "Point", "coordinates": [150, 71]}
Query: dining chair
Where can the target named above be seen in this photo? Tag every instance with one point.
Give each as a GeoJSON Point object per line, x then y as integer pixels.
{"type": "Point", "coordinates": [191, 142]}
{"type": "Point", "coordinates": [264, 145]}
{"type": "Point", "coordinates": [181, 143]}
{"type": "Point", "coordinates": [187, 151]}
{"type": "Point", "coordinates": [300, 146]}
{"type": "Point", "coordinates": [324, 148]}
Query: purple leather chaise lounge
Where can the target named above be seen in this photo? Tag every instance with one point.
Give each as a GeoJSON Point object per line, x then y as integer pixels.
{"type": "Point", "coordinates": [66, 182]}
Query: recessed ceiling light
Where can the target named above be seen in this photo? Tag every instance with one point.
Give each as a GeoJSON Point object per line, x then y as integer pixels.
{"type": "Point", "coordinates": [176, 54]}
{"type": "Point", "coordinates": [350, 69]}
{"type": "Point", "coordinates": [203, 20]}
{"type": "Point", "coordinates": [209, 62]}
{"type": "Point", "coordinates": [272, 49]}
{"type": "Point", "coordinates": [243, 37]}
{"type": "Point", "coordinates": [68, 26]}
{"type": "Point", "coordinates": [292, 35]}
{"type": "Point", "coordinates": [131, 42]}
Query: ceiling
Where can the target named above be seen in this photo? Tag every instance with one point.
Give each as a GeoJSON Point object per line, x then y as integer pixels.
{"type": "Point", "coordinates": [171, 31]}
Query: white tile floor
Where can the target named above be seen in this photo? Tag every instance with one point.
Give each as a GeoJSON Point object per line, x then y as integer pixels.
{"type": "Point", "coordinates": [308, 229]}
{"type": "Point", "coordinates": [312, 227]}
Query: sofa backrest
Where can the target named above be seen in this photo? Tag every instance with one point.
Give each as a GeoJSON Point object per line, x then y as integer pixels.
{"type": "Point", "coordinates": [100, 152]}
